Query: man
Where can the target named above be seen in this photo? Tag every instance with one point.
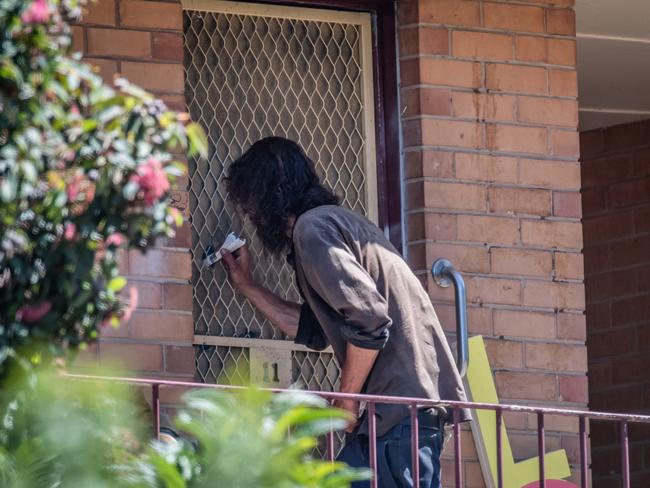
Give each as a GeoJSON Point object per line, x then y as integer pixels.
{"type": "Point", "coordinates": [360, 297]}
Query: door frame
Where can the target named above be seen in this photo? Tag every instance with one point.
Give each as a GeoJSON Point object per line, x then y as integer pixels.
{"type": "Point", "coordinates": [387, 122]}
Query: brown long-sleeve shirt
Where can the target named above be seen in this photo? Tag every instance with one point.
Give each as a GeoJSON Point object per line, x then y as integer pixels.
{"type": "Point", "coordinates": [358, 289]}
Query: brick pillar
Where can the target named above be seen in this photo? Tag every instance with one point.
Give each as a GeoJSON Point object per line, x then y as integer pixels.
{"type": "Point", "coordinates": [142, 41]}
{"type": "Point", "coordinates": [616, 202]}
{"type": "Point", "coordinates": [492, 182]}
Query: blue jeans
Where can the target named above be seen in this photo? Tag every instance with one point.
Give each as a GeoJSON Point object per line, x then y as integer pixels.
{"type": "Point", "coordinates": [394, 456]}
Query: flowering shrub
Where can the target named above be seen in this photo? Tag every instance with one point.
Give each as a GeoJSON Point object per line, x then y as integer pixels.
{"type": "Point", "coordinates": [85, 169]}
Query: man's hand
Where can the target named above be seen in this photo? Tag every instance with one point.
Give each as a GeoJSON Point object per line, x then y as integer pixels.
{"type": "Point", "coordinates": [238, 266]}
{"type": "Point", "coordinates": [350, 406]}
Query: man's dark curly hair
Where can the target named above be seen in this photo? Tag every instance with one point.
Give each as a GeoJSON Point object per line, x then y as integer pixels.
{"type": "Point", "coordinates": [273, 181]}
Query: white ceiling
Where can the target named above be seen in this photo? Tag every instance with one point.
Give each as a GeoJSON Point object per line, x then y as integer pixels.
{"type": "Point", "coordinates": [613, 61]}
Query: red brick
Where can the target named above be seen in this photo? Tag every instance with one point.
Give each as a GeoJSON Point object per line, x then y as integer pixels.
{"type": "Point", "coordinates": [574, 389]}
{"type": "Point", "coordinates": [551, 234]}
{"type": "Point", "coordinates": [493, 291]}
{"type": "Point", "coordinates": [607, 170]}
{"type": "Point", "coordinates": [139, 357]}
{"type": "Point", "coordinates": [514, 78]}
{"type": "Point", "coordinates": [415, 227]}
{"type": "Point", "coordinates": [517, 18]}
{"type": "Point", "coordinates": [562, 52]}
{"type": "Point", "coordinates": [157, 77]}
{"type": "Point", "coordinates": [504, 354]}
{"type": "Point", "coordinates": [567, 204]}
{"type": "Point", "coordinates": [100, 13]}
{"type": "Point", "coordinates": [600, 375]}
{"type": "Point", "coordinates": [493, 230]}
{"type": "Point", "coordinates": [608, 227]}
{"type": "Point", "coordinates": [451, 72]}
{"type": "Point", "coordinates": [628, 311]}
{"type": "Point", "coordinates": [556, 357]}
{"type": "Point", "coordinates": [512, 323]}
{"type": "Point", "coordinates": [427, 101]}
{"type": "Point", "coordinates": [486, 168]}
{"type": "Point", "coordinates": [107, 68]}
{"type": "Point", "coordinates": [171, 264]}
{"type": "Point", "coordinates": [149, 294]}
{"type": "Point", "coordinates": [483, 106]}
{"type": "Point", "coordinates": [517, 139]}
{"type": "Point", "coordinates": [565, 143]}
{"type": "Point", "coordinates": [482, 45]}
{"type": "Point", "coordinates": [641, 162]}
{"type": "Point", "coordinates": [520, 201]}
{"type": "Point", "coordinates": [530, 48]}
{"type": "Point", "coordinates": [561, 21]}
{"type": "Point", "coordinates": [440, 226]}
{"type": "Point", "coordinates": [642, 220]}
{"type": "Point", "coordinates": [424, 40]}
{"type": "Point", "coordinates": [473, 259]}
{"type": "Point", "coordinates": [182, 238]}
{"type": "Point", "coordinates": [177, 296]}
{"type": "Point", "coordinates": [519, 262]}
{"type": "Point", "coordinates": [458, 196]}
{"type": "Point", "coordinates": [167, 46]}
{"type": "Point", "coordinates": [116, 42]}
{"type": "Point", "coordinates": [528, 386]}
{"type": "Point", "coordinates": [451, 133]}
{"type": "Point", "coordinates": [180, 359]}
{"type": "Point", "coordinates": [547, 111]}
{"type": "Point", "coordinates": [465, 13]}
{"type": "Point", "coordinates": [551, 174]}
{"type": "Point", "coordinates": [164, 326]}
{"type": "Point", "coordinates": [414, 195]}
{"type": "Point", "coordinates": [569, 266]}
{"type": "Point", "coordinates": [628, 194]}
{"type": "Point", "coordinates": [554, 295]}
{"type": "Point", "coordinates": [78, 40]}
{"type": "Point", "coordinates": [596, 258]}
{"type": "Point", "coordinates": [612, 343]}
{"type": "Point", "coordinates": [563, 83]}
{"type": "Point", "coordinates": [153, 15]}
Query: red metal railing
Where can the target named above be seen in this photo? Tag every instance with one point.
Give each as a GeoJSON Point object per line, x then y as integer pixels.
{"type": "Point", "coordinates": [416, 403]}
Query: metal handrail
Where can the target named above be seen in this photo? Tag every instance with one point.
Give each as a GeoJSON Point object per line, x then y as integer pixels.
{"type": "Point", "coordinates": [444, 274]}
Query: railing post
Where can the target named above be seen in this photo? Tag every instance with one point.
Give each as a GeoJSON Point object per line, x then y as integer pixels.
{"type": "Point", "coordinates": [499, 415]}
{"type": "Point", "coordinates": [415, 447]}
{"type": "Point", "coordinates": [625, 455]}
{"type": "Point", "coordinates": [541, 445]}
{"type": "Point", "coordinates": [458, 460]}
{"type": "Point", "coordinates": [372, 434]}
{"type": "Point", "coordinates": [155, 403]}
{"type": "Point", "coordinates": [583, 453]}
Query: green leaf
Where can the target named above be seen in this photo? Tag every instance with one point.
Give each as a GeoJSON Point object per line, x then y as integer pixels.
{"type": "Point", "coordinates": [116, 284]}
{"type": "Point", "coordinates": [198, 141]}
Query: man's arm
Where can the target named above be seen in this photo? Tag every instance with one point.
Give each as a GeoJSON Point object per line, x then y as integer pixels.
{"type": "Point", "coordinates": [355, 371]}
{"type": "Point", "coordinates": [281, 313]}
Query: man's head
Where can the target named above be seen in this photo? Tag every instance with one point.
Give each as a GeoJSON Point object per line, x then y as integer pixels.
{"type": "Point", "coordinates": [273, 182]}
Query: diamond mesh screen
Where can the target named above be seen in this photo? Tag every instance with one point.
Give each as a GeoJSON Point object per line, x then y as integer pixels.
{"type": "Point", "coordinates": [251, 76]}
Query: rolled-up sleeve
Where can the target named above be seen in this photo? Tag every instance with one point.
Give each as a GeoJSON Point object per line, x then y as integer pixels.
{"type": "Point", "coordinates": [334, 273]}
{"type": "Point", "coordinates": [310, 333]}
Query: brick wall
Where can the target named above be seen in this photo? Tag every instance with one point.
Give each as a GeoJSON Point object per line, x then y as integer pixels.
{"type": "Point", "coordinates": [143, 41]}
{"type": "Point", "coordinates": [491, 147]}
{"type": "Point", "coordinates": [492, 182]}
{"type": "Point", "coordinates": [616, 204]}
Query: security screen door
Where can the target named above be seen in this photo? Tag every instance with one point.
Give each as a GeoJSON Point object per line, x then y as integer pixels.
{"type": "Point", "coordinates": [251, 71]}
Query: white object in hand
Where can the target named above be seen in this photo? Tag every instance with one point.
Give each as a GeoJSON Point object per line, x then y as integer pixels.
{"type": "Point", "coordinates": [231, 244]}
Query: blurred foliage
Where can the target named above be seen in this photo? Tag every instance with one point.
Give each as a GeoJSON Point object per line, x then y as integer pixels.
{"type": "Point", "coordinates": [85, 169]}
{"type": "Point", "coordinates": [91, 433]}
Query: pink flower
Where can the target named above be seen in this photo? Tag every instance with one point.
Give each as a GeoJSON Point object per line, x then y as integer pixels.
{"type": "Point", "coordinates": [131, 306]}
{"type": "Point", "coordinates": [74, 187]}
{"type": "Point", "coordinates": [37, 13]}
{"type": "Point", "coordinates": [33, 313]}
{"type": "Point", "coordinates": [116, 239]}
{"type": "Point", "coordinates": [70, 231]}
{"type": "Point", "coordinates": [152, 180]}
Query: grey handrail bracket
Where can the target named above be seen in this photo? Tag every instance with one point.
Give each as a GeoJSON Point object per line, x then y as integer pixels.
{"type": "Point", "coordinates": [444, 274]}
